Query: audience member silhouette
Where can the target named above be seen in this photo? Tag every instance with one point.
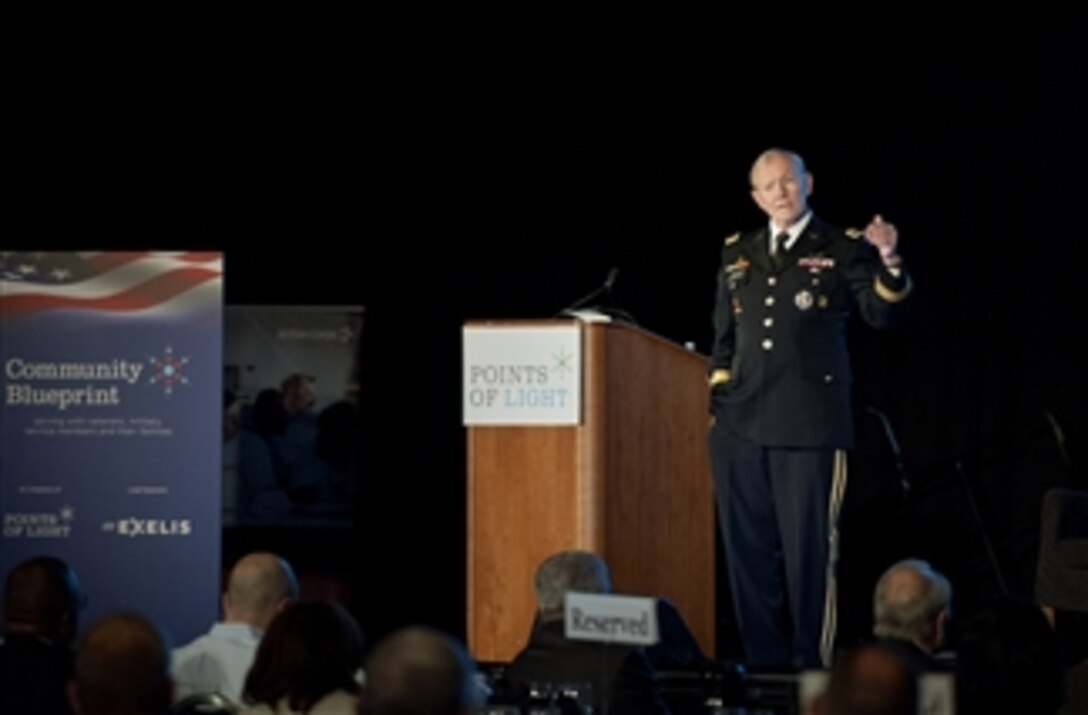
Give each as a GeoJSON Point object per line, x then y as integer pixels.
{"type": "Point", "coordinates": [259, 491]}
{"type": "Point", "coordinates": [336, 448]}
{"type": "Point", "coordinates": [122, 668]}
{"type": "Point", "coordinates": [911, 607]}
{"type": "Point", "coordinates": [299, 435]}
{"type": "Point", "coordinates": [232, 477]}
{"type": "Point", "coordinates": [307, 662]}
{"type": "Point", "coordinates": [1007, 662]}
{"type": "Point", "coordinates": [42, 600]}
{"type": "Point", "coordinates": [327, 472]}
{"type": "Point", "coordinates": [870, 680]}
{"type": "Point", "coordinates": [260, 585]}
{"type": "Point", "coordinates": [419, 671]}
{"type": "Point", "coordinates": [677, 648]}
{"type": "Point", "coordinates": [1076, 690]}
{"type": "Point", "coordinates": [618, 675]}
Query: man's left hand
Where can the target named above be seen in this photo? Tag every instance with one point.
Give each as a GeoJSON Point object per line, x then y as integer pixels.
{"type": "Point", "coordinates": [883, 236]}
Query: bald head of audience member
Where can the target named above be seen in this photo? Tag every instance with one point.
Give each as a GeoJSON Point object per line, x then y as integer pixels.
{"type": "Point", "coordinates": [869, 681]}
{"type": "Point", "coordinates": [122, 668]}
{"type": "Point", "coordinates": [581, 571]}
{"type": "Point", "coordinates": [260, 585]}
{"type": "Point", "coordinates": [419, 671]}
{"type": "Point", "coordinates": [911, 602]}
{"type": "Point", "coordinates": [42, 598]}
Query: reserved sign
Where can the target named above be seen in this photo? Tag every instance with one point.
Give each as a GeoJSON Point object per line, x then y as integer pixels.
{"type": "Point", "coordinates": [631, 620]}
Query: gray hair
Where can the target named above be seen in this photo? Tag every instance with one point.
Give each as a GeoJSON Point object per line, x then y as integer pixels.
{"type": "Point", "coordinates": [907, 601]}
{"type": "Point", "coordinates": [794, 157]}
{"type": "Point", "coordinates": [581, 571]}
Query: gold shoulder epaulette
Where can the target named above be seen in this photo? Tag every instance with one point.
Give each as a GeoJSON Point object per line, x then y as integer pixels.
{"type": "Point", "coordinates": [854, 233]}
{"type": "Point", "coordinates": [730, 240]}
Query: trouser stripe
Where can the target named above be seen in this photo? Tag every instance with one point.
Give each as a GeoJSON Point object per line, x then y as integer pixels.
{"type": "Point", "coordinates": [838, 491]}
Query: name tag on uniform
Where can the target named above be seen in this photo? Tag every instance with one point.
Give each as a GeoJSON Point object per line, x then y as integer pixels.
{"type": "Point", "coordinates": [816, 263]}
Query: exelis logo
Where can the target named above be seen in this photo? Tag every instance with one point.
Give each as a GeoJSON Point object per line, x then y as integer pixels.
{"type": "Point", "coordinates": [133, 527]}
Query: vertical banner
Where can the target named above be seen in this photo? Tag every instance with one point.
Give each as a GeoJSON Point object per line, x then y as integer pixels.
{"type": "Point", "coordinates": [110, 426]}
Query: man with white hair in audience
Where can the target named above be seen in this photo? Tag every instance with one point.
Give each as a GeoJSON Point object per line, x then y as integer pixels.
{"type": "Point", "coordinates": [620, 676]}
{"type": "Point", "coordinates": [911, 607]}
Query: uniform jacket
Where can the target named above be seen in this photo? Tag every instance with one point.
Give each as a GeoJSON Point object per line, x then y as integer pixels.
{"type": "Point", "coordinates": [780, 334]}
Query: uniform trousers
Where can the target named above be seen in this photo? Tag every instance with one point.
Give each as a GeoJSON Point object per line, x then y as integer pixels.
{"type": "Point", "coordinates": [778, 509]}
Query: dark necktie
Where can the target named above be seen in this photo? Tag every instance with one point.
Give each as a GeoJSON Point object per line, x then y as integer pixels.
{"type": "Point", "coordinates": [778, 250]}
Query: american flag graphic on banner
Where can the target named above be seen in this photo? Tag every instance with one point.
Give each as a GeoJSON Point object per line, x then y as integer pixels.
{"type": "Point", "coordinates": [111, 281]}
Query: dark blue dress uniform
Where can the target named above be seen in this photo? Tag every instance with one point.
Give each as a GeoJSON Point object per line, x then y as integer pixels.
{"type": "Point", "coordinates": [780, 397]}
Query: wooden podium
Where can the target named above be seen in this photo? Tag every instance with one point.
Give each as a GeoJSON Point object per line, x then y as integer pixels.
{"type": "Point", "coordinates": [631, 482]}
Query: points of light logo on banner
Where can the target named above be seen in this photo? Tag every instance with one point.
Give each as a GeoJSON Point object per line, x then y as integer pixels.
{"type": "Point", "coordinates": [39, 525]}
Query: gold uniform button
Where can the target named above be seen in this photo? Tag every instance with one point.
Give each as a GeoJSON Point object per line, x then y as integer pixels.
{"type": "Point", "coordinates": [768, 344]}
{"type": "Point", "coordinates": [768, 301]}
{"type": "Point", "coordinates": [828, 378]}
{"type": "Point", "coordinates": [768, 322]}
{"type": "Point", "coordinates": [772, 281]}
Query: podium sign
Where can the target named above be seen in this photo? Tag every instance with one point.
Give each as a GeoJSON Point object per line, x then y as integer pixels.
{"type": "Point", "coordinates": [522, 375]}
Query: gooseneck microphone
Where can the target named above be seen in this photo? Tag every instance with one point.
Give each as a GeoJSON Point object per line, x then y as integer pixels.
{"type": "Point", "coordinates": [603, 289]}
{"type": "Point", "coordinates": [610, 279]}
{"type": "Point", "coordinates": [599, 305]}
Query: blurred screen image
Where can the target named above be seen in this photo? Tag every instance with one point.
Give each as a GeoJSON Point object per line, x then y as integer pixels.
{"type": "Point", "coordinates": [291, 415]}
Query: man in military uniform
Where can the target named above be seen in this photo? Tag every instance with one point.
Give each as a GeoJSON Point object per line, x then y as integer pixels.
{"type": "Point", "coordinates": [780, 400]}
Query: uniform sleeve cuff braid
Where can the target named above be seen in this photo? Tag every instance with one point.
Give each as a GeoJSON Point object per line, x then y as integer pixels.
{"type": "Point", "coordinates": [718, 377]}
{"type": "Point", "coordinates": [893, 295]}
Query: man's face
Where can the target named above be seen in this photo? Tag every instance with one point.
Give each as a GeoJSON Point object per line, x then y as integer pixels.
{"type": "Point", "coordinates": [781, 189]}
{"type": "Point", "coordinates": [301, 399]}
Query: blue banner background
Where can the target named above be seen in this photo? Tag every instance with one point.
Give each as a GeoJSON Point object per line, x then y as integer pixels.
{"type": "Point", "coordinates": [128, 494]}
